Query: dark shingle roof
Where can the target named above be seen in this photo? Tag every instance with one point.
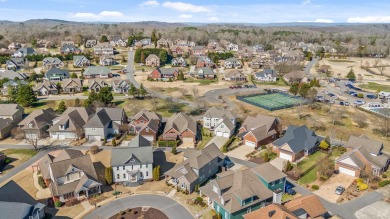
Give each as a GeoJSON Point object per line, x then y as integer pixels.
{"type": "Point", "coordinates": [298, 138]}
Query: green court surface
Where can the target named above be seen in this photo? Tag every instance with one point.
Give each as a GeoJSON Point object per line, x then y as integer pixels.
{"type": "Point", "coordinates": [273, 101]}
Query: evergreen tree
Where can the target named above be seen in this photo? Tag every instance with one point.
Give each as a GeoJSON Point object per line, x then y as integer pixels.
{"type": "Point", "coordinates": [77, 102]}
{"type": "Point", "coordinates": [294, 88]}
{"type": "Point", "coordinates": [163, 56]}
{"type": "Point", "coordinates": [133, 90]}
{"type": "Point", "coordinates": [73, 75]}
{"type": "Point", "coordinates": [91, 98]}
{"type": "Point", "coordinates": [351, 75]}
{"type": "Point", "coordinates": [59, 87]}
{"type": "Point", "coordinates": [108, 175]}
{"type": "Point", "coordinates": [142, 91]}
{"type": "Point", "coordinates": [61, 107]}
{"type": "Point", "coordinates": [12, 94]}
{"type": "Point", "coordinates": [26, 96]}
{"type": "Point", "coordinates": [142, 57]}
{"type": "Point", "coordinates": [105, 95]}
{"type": "Point", "coordinates": [103, 39]}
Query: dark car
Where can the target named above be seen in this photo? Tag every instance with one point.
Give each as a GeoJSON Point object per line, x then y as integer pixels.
{"type": "Point", "coordinates": [290, 190]}
{"type": "Point", "coordinates": [371, 96]}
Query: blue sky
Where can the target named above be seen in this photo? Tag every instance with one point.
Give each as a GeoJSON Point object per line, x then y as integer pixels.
{"type": "Point", "coordinates": [207, 11]}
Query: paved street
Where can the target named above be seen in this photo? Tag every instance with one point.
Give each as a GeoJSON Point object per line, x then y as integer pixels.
{"type": "Point", "coordinates": [171, 208]}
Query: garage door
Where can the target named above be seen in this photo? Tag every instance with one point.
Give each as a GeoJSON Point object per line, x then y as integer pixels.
{"type": "Point", "coordinates": [250, 144]}
{"type": "Point", "coordinates": [94, 137]}
{"type": "Point", "coordinates": [347, 171]}
{"type": "Point", "coordinates": [149, 137]}
{"type": "Point", "coordinates": [285, 156]}
{"type": "Point", "coordinates": [61, 137]}
{"type": "Point", "coordinates": [226, 135]}
{"type": "Point", "coordinates": [188, 142]}
{"type": "Point", "coordinates": [219, 133]}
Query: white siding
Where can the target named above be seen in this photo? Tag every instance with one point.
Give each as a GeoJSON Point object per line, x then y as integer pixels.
{"type": "Point", "coordinates": [146, 172]}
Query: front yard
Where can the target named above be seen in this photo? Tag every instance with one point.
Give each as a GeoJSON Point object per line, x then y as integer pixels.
{"type": "Point", "coordinates": [310, 161]}
{"type": "Point", "coordinates": [16, 157]}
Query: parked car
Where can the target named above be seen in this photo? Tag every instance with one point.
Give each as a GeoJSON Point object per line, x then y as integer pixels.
{"type": "Point", "coordinates": [359, 102]}
{"type": "Point", "coordinates": [344, 103]}
{"type": "Point", "coordinates": [329, 101]}
{"type": "Point", "coordinates": [339, 190]}
{"type": "Point", "coordinates": [320, 98]}
{"type": "Point", "coordinates": [352, 93]}
{"type": "Point", "coordinates": [289, 190]}
{"type": "Point", "coordinates": [371, 96]}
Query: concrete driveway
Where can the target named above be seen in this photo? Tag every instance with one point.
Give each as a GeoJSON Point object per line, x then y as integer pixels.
{"type": "Point", "coordinates": [327, 190]}
{"type": "Point", "coordinates": [240, 152]}
{"type": "Point", "coordinates": [379, 210]}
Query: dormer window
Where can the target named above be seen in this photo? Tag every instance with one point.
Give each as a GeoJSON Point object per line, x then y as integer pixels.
{"type": "Point", "coordinates": [132, 159]}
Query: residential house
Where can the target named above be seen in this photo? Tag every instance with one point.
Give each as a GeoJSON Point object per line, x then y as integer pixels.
{"type": "Point", "coordinates": [266, 75]}
{"type": "Point", "coordinates": [11, 84]}
{"type": "Point", "coordinates": [164, 43]}
{"type": "Point", "coordinates": [70, 175]}
{"type": "Point", "coordinates": [11, 75]}
{"type": "Point", "coordinates": [10, 116]}
{"type": "Point", "coordinates": [303, 207]}
{"type": "Point", "coordinates": [46, 88]}
{"type": "Point", "coordinates": [231, 47]}
{"type": "Point", "coordinates": [71, 86]}
{"type": "Point", "coordinates": [179, 62]}
{"type": "Point", "coordinates": [117, 41]}
{"type": "Point", "coordinates": [260, 130]}
{"type": "Point", "coordinates": [178, 50]}
{"type": "Point", "coordinates": [133, 164]}
{"type": "Point", "coordinates": [97, 72]}
{"type": "Point", "coordinates": [52, 62]}
{"type": "Point", "coordinates": [184, 43]}
{"type": "Point", "coordinates": [181, 126]}
{"type": "Point", "coordinates": [121, 86]}
{"type": "Point", "coordinates": [225, 127]}
{"type": "Point", "coordinates": [152, 60]}
{"type": "Point", "coordinates": [56, 74]}
{"type": "Point", "coordinates": [212, 117]}
{"type": "Point", "coordinates": [22, 210]}
{"type": "Point", "coordinates": [107, 60]}
{"type": "Point", "coordinates": [198, 51]}
{"type": "Point", "coordinates": [234, 76]}
{"type": "Point", "coordinates": [261, 62]}
{"type": "Point", "coordinates": [164, 74]}
{"type": "Point", "coordinates": [219, 49]}
{"type": "Point", "coordinates": [103, 49]}
{"type": "Point", "coordinates": [81, 61]}
{"type": "Point", "coordinates": [364, 155]}
{"type": "Point", "coordinates": [36, 124]}
{"type": "Point", "coordinates": [298, 141]}
{"type": "Point", "coordinates": [146, 123]}
{"type": "Point", "coordinates": [105, 123]}
{"type": "Point", "coordinates": [204, 61]}
{"type": "Point", "coordinates": [67, 43]}
{"type": "Point", "coordinates": [203, 73]}
{"type": "Point", "coordinates": [96, 85]}
{"type": "Point", "coordinates": [296, 77]}
{"type": "Point", "coordinates": [235, 193]}
{"type": "Point", "coordinates": [70, 49]}
{"type": "Point", "coordinates": [144, 42]}
{"type": "Point", "coordinates": [24, 51]}
{"type": "Point", "coordinates": [90, 43]}
{"type": "Point", "coordinates": [70, 124]}
{"type": "Point", "coordinates": [198, 167]}
{"type": "Point", "coordinates": [14, 46]}
{"type": "Point", "coordinates": [232, 63]}
{"type": "Point", "coordinates": [15, 63]}
{"type": "Point", "coordinates": [257, 49]}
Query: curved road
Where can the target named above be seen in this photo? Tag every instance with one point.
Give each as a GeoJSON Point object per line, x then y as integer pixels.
{"type": "Point", "coordinates": [171, 208]}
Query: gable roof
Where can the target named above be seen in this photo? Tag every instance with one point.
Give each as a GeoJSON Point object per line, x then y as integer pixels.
{"type": "Point", "coordinates": [97, 70]}
{"type": "Point", "coordinates": [180, 122]}
{"type": "Point", "coordinates": [12, 75]}
{"type": "Point", "coordinates": [372, 146]}
{"type": "Point", "coordinates": [9, 109]}
{"type": "Point", "coordinates": [298, 138]}
{"type": "Point", "coordinates": [252, 123]}
{"type": "Point", "coordinates": [267, 72]}
{"type": "Point", "coordinates": [57, 72]}
{"type": "Point", "coordinates": [147, 114]}
{"type": "Point", "coordinates": [152, 124]}
{"type": "Point", "coordinates": [357, 153]}
{"type": "Point", "coordinates": [103, 116]}
{"type": "Point", "coordinates": [74, 118]}
{"type": "Point", "coordinates": [214, 112]}
{"type": "Point", "coordinates": [268, 172]}
{"type": "Point", "coordinates": [311, 204]}
{"type": "Point", "coordinates": [38, 118]}
{"type": "Point", "coordinates": [68, 81]}
{"type": "Point", "coordinates": [272, 211]}
{"type": "Point", "coordinates": [235, 73]}
{"type": "Point", "coordinates": [152, 56]}
{"type": "Point", "coordinates": [295, 75]}
{"type": "Point", "coordinates": [143, 154]}
{"type": "Point", "coordinates": [227, 122]}
{"type": "Point", "coordinates": [51, 60]}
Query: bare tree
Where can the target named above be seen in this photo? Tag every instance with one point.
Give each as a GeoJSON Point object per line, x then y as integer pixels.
{"type": "Point", "coordinates": [17, 133]}
{"type": "Point", "coordinates": [360, 119]}
{"type": "Point", "coordinates": [195, 91]}
{"type": "Point", "coordinates": [384, 125]}
{"type": "Point", "coordinates": [32, 137]}
{"type": "Point", "coordinates": [336, 115]}
{"type": "Point", "coordinates": [381, 69]}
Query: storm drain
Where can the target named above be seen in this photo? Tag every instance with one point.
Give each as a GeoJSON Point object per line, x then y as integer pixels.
{"type": "Point", "coordinates": [145, 208]}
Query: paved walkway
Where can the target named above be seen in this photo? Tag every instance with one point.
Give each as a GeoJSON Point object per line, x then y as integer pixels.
{"type": "Point", "coordinates": [42, 193]}
{"type": "Point", "coordinates": [172, 193]}
{"type": "Point", "coordinates": [171, 208]}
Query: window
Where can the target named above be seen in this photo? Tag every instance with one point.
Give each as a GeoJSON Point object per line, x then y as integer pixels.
{"type": "Point", "coordinates": [147, 129]}
{"type": "Point", "coordinates": [131, 167]}
{"type": "Point", "coordinates": [117, 176]}
{"type": "Point", "coordinates": [218, 209]}
{"type": "Point", "coordinates": [146, 165]}
{"type": "Point", "coordinates": [248, 210]}
{"type": "Point", "coordinates": [147, 173]}
{"type": "Point", "coordinates": [117, 168]}
{"type": "Point", "coordinates": [123, 167]}
{"type": "Point", "coordinates": [226, 215]}
{"type": "Point", "coordinates": [140, 166]}
{"type": "Point", "coordinates": [124, 176]}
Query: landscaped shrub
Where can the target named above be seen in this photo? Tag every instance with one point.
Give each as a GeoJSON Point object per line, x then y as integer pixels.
{"type": "Point", "coordinates": [315, 187]}
{"type": "Point", "coordinates": [384, 175]}
{"type": "Point", "coordinates": [57, 204]}
{"type": "Point", "coordinates": [360, 95]}
{"type": "Point", "coordinates": [263, 147]}
{"type": "Point", "coordinates": [359, 180]}
{"type": "Point", "coordinates": [362, 186]}
{"type": "Point", "coordinates": [122, 212]}
{"type": "Point", "coordinates": [94, 149]}
{"type": "Point", "coordinates": [265, 157]}
{"type": "Point", "coordinates": [113, 142]}
{"type": "Point", "coordinates": [384, 183]}
{"type": "Point", "coordinates": [41, 182]}
{"type": "Point", "coordinates": [174, 151]}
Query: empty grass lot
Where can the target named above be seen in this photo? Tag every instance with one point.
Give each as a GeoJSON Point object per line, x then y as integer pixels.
{"type": "Point", "coordinates": [17, 157]}
{"type": "Point", "coordinates": [375, 86]}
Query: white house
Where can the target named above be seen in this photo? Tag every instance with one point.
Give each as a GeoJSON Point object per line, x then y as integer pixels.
{"type": "Point", "coordinates": [266, 75]}
{"type": "Point", "coordinates": [384, 94]}
{"type": "Point", "coordinates": [133, 164]}
{"type": "Point", "coordinates": [232, 47]}
{"type": "Point", "coordinates": [225, 127]}
{"type": "Point", "coordinates": [213, 116]}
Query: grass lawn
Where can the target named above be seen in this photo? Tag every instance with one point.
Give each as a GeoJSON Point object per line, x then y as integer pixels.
{"type": "Point", "coordinates": [200, 81]}
{"type": "Point", "coordinates": [340, 60]}
{"type": "Point", "coordinates": [205, 139]}
{"type": "Point", "coordinates": [310, 177]}
{"type": "Point", "coordinates": [311, 160]}
{"type": "Point", "coordinates": [375, 86]}
{"type": "Point", "coordinates": [287, 197]}
{"type": "Point", "coordinates": [278, 82]}
{"type": "Point", "coordinates": [42, 104]}
{"type": "Point", "coordinates": [17, 157]}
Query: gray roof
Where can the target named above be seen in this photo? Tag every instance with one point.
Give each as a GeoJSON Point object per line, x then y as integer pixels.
{"type": "Point", "coordinates": [51, 60]}
{"type": "Point", "coordinates": [236, 186]}
{"type": "Point", "coordinates": [268, 172]}
{"type": "Point", "coordinates": [71, 48]}
{"type": "Point", "coordinates": [103, 116]}
{"type": "Point", "coordinates": [18, 210]}
{"type": "Point", "coordinates": [219, 113]}
{"type": "Point", "coordinates": [9, 109]}
{"type": "Point", "coordinates": [132, 155]}
{"type": "Point", "coordinates": [229, 124]}
{"type": "Point", "coordinates": [5, 123]}
{"type": "Point", "coordinates": [298, 138]}
{"type": "Point", "coordinates": [97, 70]}
{"type": "Point", "coordinates": [39, 118]}
{"type": "Point", "coordinates": [57, 72]}
{"type": "Point", "coordinates": [372, 146]}
{"type": "Point", "coordinates": [11, 75]}
{"type": "Point", "coordinates": [203, 71]}
{"type": "Point", "coordinates": [74, 118]}
{"type": "Point", "coordinates": [14, 83]}
{"type": "Point", "coordinates": [265, 72]}
{"type": "Point", "coordinates": [27, 51]}
{"type": "Point", "coordinates": [364, 150]}
{"type": "Point", "coordinates": [235, 73]}
{"type": "Point", "coordinates": [51, 86]}
{"type": "Point", "coordinates": [18, 61]}
{"type": "Point", "coordinates": [67, 81]}
{"type": "Point", "coordinates": [147, 114]}
{"type": "Point", "coordinates": [152, 56]}
{"type": "Point", "coordinates": [181, 122]}
{"type": "Point", "coordinates": [260, 126]}
{"type": "Point", "coordinates": [139, 141]}
{"type": "Point", "coordinates": [77, 58]}
{"type": "Point", "coordinates": [295, 75]}
{"type": "Point", "coordinates": [167, 71]}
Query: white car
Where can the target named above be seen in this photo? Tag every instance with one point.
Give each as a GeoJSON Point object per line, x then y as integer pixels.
{"type": "Point", "coordinates": [359, 102]}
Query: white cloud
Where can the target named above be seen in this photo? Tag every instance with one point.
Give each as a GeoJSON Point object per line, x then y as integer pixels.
{"type": "Point", "coordinates": [185, 16]}
{"type": "Point", "coordinates": [369, 19]}
{"type": "Point", "coordinates": [323, 21]}
{"type": "Point", "coordinates": [101, 16]}
{"type": "Point", "coordinates": [213, 19]}
{"type": "Point", "coordinates": [307, 2]}
{"type": "Point", "coordinates": [150, 4]}
{"type": "Point", "coordinates": [185, 7]}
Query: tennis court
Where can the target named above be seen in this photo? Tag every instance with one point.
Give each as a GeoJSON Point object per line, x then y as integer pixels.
{"type": "Point", "coordinates": [273, 101]}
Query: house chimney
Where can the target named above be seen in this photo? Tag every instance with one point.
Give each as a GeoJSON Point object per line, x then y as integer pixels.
{"type": "Point", "coordinates": [277, 197]}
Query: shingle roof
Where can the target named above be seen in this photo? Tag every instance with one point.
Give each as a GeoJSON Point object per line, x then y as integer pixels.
{"type": "Point", "coordinates": [74, 118]}
{"type": "Point", "coordinates": [298, 138]}
{"type": "Point", "coordinates": [152, 56]}
{"type": "Point", "coordinates": [11, 75]}
{"type": "Point", "coordinates": [67, 81]}
{"type": "Point", "coordinates": [15, 210]}
{"type": "Point", "coordinates": [181, 122]}
{"type": "Point", "coordinates": [39, 118]}
{"type": "Point", "coordinates": [97, 70]}
{"type": "Point", "coordinates": [268, 172]}
{"type": "Point", "coordinates": [142, 154]}
{"type": "Point", "coordinates": [272, 211]}
{"type": "Point", "coordinates": [372, 146]}
{"type": "Point", "coordinates": [364, 150]}
{"type": "Point", "coordinates": [57, 72]}
{"type": "Point", "coordinates": [5, 123]}
{"type": "Point", "coordinates": [260, 126]}
{"type": "Point", "coordinates": [219, 113]}
{"type": "Point", "coordinates": [234, 73]}
{"type": "Point", "coordinates": [147, 114]}
{"type": "Point", "coordinates": [9, 109]}
{"type": "Point", "coordinates": [295, 75]}
{"type": "Point", "coordinates": [311, 204]}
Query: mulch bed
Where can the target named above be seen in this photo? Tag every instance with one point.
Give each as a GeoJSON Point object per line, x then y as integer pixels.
{"type": "Point", "coordinates": [136, 213]}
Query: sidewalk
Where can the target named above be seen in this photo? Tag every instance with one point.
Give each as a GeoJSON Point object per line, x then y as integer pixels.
{"type": "Point", "coordinates": [42, 193]}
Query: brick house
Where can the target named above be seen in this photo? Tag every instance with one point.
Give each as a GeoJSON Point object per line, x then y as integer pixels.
{"type": "Point", "coordinates": [181, 126]}
{"type": "Point", "coordinates": [164, 74]}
